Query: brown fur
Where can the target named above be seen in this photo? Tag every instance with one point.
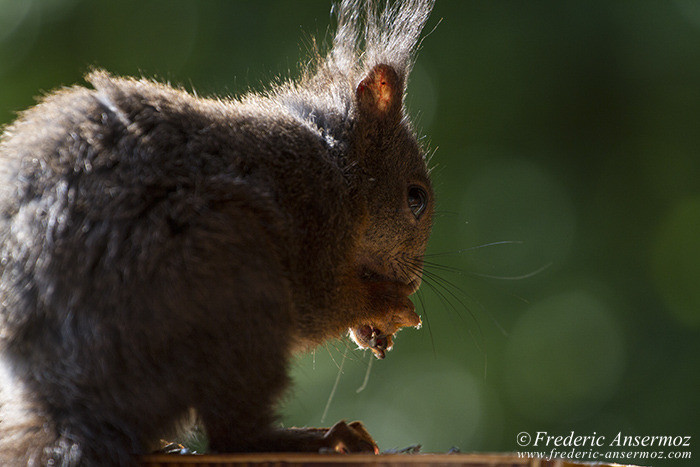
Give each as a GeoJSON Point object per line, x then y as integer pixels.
{"type": "Point", "coordinates": [160, 251]}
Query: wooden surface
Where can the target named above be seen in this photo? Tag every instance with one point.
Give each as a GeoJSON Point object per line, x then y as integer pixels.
{"type": "Point", "coordinates": [334, 460]}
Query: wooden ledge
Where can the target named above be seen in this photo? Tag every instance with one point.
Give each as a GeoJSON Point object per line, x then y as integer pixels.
{"type": "Point", "coordinates": [384, 460]}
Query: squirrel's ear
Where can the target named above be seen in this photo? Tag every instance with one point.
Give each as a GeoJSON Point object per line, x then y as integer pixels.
{"type": "Point", "coordinates": [379, 95]}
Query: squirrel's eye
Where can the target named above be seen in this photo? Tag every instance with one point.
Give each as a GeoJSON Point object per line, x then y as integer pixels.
{"type": "Point", "coordinates": [417, 200]}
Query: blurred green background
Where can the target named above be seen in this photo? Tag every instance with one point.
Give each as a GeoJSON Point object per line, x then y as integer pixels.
{"type": "Point", "coordinates": [567, 133]}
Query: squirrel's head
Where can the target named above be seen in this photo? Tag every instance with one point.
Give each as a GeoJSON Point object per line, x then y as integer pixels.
{"type": "Point", "coordinates": [395, 188]}
{"type": "Point", "coordinates": [368, 66]}
{"type": "Point", "coordinates": [353, 97]}
{"type": "Point", "coordinates": [394, 177]}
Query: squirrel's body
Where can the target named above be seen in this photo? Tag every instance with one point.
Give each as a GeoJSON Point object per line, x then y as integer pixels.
{"type": "Point", "coordinates": [160, 251]}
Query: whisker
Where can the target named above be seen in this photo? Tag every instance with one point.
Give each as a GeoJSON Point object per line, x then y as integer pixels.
{"type": "Point", "coordinates": [407, 265]}
{"type": "Point", "coordinates": [512, 278]}
{"type": "Point", "coordinates": [519, 297]}
{"type": "Point", "coordinates": [437, 280]}
{"type": "Point", "coordinates": [478, 303]}
{"type": "Point", "coordinates": [440, 212]}
{"type": "Point", "coordinates": [451, 284]}
{"type": "Point", "coordinates": [442, 267]}
{"type": "Point", "coordinates": [447, 303]}
{"type": "Point", "coordinates": [468, 296]}
{"type": "Point", "coordinates": [427, 321]}
{"type": "Point", "coordinates": [477, 247]}
{"type": "Point", "coordinates": [441, 290]}
{"type": "Point", "coordinates": [441, 287]}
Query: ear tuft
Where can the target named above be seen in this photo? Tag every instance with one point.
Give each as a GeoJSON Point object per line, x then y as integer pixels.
{"type": "Point", "coordinates": [381, 91]}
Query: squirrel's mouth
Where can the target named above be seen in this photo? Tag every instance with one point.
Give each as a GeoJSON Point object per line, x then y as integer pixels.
{"type": "Point", "coordinates": [392, 310]}
{"type": "Point", "coordinates": [369, 337]}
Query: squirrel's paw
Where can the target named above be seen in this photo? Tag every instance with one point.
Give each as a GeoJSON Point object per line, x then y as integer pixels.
{"type": "Point", "coordinates": [349, 438]}
{"type": "Point", "coordinates": [378, 334]}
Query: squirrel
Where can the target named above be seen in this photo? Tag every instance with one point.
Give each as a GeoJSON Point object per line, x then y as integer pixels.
{"type": "Point", "coordinates": [162, 252]}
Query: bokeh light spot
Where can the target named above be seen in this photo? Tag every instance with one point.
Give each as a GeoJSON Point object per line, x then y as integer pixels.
{"type": "Point", "coordinates": [564, 358]}
{"type": "Point", "coordinates": [676, 261]}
